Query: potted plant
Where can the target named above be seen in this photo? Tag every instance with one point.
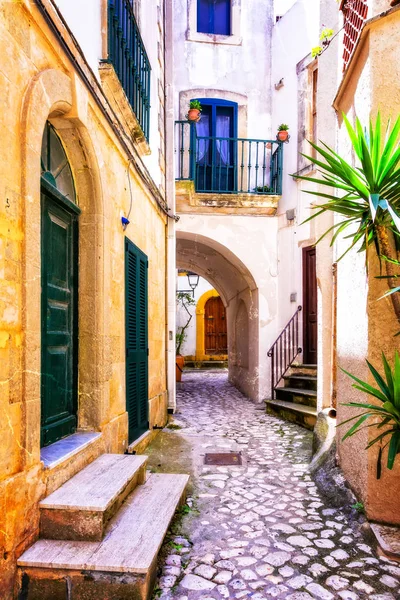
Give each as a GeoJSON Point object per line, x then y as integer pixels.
{"type": "Point", "coordinates": [185, 300]}
{"type": "Point", "coordinates": [263, 189]}
{"type": "Point", "coordinates": [194, 111]}
{"type": "Point", "coordinates": [283, 133]}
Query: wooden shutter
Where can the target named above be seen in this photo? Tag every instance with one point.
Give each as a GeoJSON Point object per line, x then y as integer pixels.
{"type": "Point", "coordinates": [137, 403]}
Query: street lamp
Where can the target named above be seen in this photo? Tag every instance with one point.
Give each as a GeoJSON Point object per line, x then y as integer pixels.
{"type": "Point", "coordinates": [193, 281]}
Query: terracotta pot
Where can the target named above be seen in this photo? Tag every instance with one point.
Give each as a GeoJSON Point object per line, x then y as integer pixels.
{"type": "Point", "coordinates": [179, 362]}
{"type": "Point", "coordinates": [283, 136]}
{"type": "Point", "coordinates": [193, 115]}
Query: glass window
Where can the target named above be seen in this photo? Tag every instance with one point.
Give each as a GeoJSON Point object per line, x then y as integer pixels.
{"type": "Point", "coordinates": [54, 164]}
{"type": "Point", "coordinates": [214, 16]}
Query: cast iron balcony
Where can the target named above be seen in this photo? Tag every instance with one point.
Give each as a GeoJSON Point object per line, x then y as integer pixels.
{"type": "Point", "coordinates": [225, 165]}
{"type": "Point", "coordinates": [128, 55]}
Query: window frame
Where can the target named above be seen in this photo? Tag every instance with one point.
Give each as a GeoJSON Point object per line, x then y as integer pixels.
{"type": "Point", "coordinates": [234, 39]}
{"type": "Point", "coordinates": [212, 16]}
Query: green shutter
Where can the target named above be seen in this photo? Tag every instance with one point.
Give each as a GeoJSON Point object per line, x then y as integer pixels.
{"type": "Point", "coordinates": [137, 402]}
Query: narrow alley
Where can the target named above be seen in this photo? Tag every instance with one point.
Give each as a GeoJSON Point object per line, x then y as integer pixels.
{"type": "Point", "coordinates": [262, 529]}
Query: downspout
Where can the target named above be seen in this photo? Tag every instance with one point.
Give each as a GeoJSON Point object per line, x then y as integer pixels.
{"type": "Point", "coordinates": [170, 197]}
{"type": "Point", "coordinates": [334, 339]}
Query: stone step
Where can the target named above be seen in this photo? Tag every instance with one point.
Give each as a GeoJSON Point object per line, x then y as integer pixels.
{"type": "Point", "coordinates": [297, 395]}
{"type": "Point", "coordinates": [306, 416]}
{"type": "Point", "coordinates": [81, 508]}
{"type": "Point", "coordinates": [122, 566]}
{"type": "Point", "coordinates": [308, 382]}
{"type": "Point", "coordinates": [302, 369]}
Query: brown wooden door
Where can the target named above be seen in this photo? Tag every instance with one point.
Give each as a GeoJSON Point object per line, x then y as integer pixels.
{"type": "Point", "coordinates": [310, 321]}
{"type": "Point", "coordinates": [215, 327]}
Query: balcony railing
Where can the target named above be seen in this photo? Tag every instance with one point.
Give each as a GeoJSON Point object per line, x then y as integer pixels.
{"type": "Point", "coordinates": [227, 165]}
{"type": "Point", "coordinates": [128, 55]}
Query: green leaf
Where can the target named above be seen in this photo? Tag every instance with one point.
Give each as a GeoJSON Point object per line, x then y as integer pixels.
{"type": "Point", "coordinates": [380, 437]}
{"type": "Point", "coordinates": [389, 376]}
{"type": "Point", "coordinates": [366, 387]}
{"type": "Point", "coordinates": [355, 427]}
{"type": "Point", "coordinates": [379, 380]}
{"type": "Point", "coordinates": [393, 449]}
{"type": "Point", "coordinates": [379, 464]}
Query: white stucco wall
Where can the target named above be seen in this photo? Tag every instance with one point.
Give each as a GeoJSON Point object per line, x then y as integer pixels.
{"type": "Point", "coordinates": [84, 18]}
{"type": "Point", "coordinates": [189, 345]}
{"type": "Point", "coordinates": [239, 66]}
{"type": "Point", "coordinates": [300, 25]}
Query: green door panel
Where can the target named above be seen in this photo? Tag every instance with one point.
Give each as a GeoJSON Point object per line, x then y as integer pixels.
{"type": "Point", "coordinates": [136, 311]}
{"type": "Point", "coordinates": [59, 231]}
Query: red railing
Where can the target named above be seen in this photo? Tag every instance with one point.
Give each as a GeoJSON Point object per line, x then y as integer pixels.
{"type": "Point", "coordinates": [355, 13]}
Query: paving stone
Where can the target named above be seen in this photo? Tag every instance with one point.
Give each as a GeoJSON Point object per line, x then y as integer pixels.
{"type": "Point", "coordinates": [206, 571]}
{"type": "Point", "coordinates": [299, 582]}
{"type": "Point", "coordinates": [198, 584]}
{"type": "Point", "coordinates": [318, 591]}
{"type": "Point", "coordinates": [348, 595]}
{"type": "Point", "coordinates": [277, 559]}
{"type": "Point", "coordinates": [336, 582]}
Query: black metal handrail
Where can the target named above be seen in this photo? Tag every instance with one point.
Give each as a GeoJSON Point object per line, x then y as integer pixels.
{"type": "Point", "coordinates": [284, 350]}
{"type": "Point", "coordinates": [128, 55]}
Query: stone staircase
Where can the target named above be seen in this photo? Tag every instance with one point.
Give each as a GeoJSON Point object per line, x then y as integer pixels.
{"type": "Point", "coordinates": [296, 401]}
{"type": "Point", "coordinates": [100, 533]}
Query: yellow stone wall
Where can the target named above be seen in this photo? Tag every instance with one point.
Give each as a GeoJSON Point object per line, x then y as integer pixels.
{"type": "Point", "coordinates": [38, 83]}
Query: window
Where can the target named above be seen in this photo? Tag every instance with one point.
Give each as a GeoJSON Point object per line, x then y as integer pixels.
{"type": "Point", "coordinates": [214, 16]}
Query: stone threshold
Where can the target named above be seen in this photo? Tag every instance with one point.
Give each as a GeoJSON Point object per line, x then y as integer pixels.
{"type": "Point", "coordinates": [61, 451]}
{"type": "Point", "coordinates": [388, 539]}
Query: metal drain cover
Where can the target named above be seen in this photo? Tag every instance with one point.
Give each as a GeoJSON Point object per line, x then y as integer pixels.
{"type": "Point", "coordinates": [226, 459]}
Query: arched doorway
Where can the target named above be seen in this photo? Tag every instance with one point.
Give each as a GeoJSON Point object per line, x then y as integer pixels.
{"type": "Point", "coordinates": [59, 295]}
{"type": "Point", "coordinates": [215, 331]}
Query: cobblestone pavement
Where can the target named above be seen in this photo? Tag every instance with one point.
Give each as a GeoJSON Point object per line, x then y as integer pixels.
{"type": "Point", "coordinates": [261, 530]}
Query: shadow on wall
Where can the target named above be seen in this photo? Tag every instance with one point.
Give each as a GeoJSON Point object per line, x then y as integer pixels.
{"type": "Point", "coordinates": [242, 336]}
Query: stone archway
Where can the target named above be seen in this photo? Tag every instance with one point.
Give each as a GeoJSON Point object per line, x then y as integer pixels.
{"type": "Point", "coordinates": [235, 284]}
{"type": "Point", "coordinates": [52, 96]}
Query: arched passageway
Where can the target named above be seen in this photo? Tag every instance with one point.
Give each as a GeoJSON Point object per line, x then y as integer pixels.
{"type": "Point", "coordinates": [239, 293]}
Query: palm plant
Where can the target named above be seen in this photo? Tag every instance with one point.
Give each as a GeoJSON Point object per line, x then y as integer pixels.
{"type": "Point", "coordinates": [387, 414]}
{"type": "Point", "coordinates": [370, 194]}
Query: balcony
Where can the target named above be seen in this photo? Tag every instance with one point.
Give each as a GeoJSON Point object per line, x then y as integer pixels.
{"type": "Point", "coordinates": [225, 172]}
{"type": "Point", "coordinates": [126, 72]}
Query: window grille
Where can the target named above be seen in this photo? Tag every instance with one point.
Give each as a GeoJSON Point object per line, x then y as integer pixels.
{"type": "Point", "coordinates": [355, 13]}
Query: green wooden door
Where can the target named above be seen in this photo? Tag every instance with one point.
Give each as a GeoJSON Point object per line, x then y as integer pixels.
{"type": "Point", "coordinates": [136, 312]}
{"type": "Point", "coordinates": [59, 236]}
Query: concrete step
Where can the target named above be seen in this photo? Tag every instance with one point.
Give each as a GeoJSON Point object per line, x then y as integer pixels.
{"type": "Point", "coordinates": [81, 508]}
{"type": "Point", "coordinates": [297, 395]}
{"type": "Point", "coordinates": [308, 382]}
{"type": "Point", "coordinates": [302, 369]}
{"type": "Point", "coordinates": [122, 566]}
{"type": "Point", "coordinates": [306, 416]}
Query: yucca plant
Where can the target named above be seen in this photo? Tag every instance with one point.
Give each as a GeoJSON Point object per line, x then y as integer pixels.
{"type": "Point", "coordinates": [370, 194]}
{"type": "Point", "coordinates": [385, 415]}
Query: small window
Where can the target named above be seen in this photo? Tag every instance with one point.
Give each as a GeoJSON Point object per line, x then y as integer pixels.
{"type": "Point", "coordinates": [214, 16]}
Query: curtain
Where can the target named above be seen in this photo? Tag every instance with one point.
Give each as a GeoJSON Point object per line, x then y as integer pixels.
{"type": "Point", "coordinates": [223, 126]}
{"type": "Point", "coordinates": [203, 130]}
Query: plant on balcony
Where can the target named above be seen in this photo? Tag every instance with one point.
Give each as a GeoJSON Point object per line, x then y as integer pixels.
{"type": "Point", "coordinates": [386, 414]}
{"type": "Point", "coordinates": [194, 111]}
{"type": "Point", "coordinates": [370, 200]}
{"type": "Point", "coordinates": [283, 132]}
{"type": "Point", "coordinates": [326, 36]}
{"type": "Point", "coordinates": [263, 189]}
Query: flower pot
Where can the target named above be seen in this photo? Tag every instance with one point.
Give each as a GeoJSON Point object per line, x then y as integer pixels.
{"type": "Point", "coordinates": [283, 136]}
{"type": "Point", "coordinates": [179, 362]}
{"type": "Point", "coordinates": [194, 115]}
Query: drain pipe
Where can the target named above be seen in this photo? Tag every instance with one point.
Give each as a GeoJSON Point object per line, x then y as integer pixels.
{"type": "Point", "coordinates": [334, 343]}
{"type": "Point", "coordinates": [170, 196]}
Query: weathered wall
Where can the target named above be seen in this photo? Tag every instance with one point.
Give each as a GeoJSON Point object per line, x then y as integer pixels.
{"type": "Point", "coordinates": [37, 82]}
{"type": "Point", "coordinates": [189, 345]}
{"type": "Point", "coordinates": [365, 325]}
{"type": "Point", "coordinates": [238, 257]}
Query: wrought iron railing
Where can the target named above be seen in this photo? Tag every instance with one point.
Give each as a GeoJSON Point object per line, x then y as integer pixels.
{"type": "Point", "coordinates": [228, 165]}
{"type": "Point", "coordinates": [128, 55]}
{"type": "Point", "coordinates": [284, 350]}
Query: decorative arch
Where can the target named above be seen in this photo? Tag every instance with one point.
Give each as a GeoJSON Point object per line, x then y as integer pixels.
{"type": "Point", "coordinates": [53, 96]}
{"type": "Point", "coordinates": [200, 325]}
